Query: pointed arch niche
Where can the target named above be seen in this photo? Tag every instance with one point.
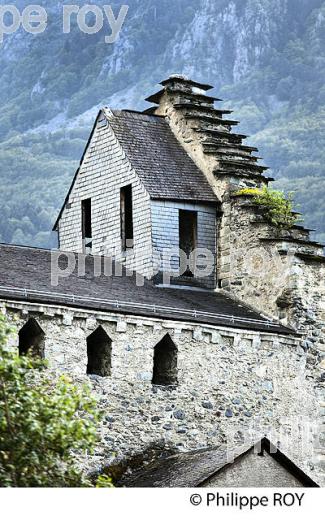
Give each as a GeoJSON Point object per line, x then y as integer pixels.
{"type": "Point", "coordinates": [31, 339]}
{"type": "Point", "coordinates": [165, 363]}
{"type": "Point", "coordinates": [99, 352]}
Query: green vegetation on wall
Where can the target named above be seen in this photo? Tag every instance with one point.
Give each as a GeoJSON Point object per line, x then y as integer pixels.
{"type": "Point", "coordinates": [277, 207]}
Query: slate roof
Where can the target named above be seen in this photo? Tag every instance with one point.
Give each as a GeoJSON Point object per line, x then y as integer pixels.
{"type": "Point", "coordinates": [195, 468]}
{"type": "Point", "coordinates": [25, 275]}
{"type": "Point", "coordinates": [162, 164]}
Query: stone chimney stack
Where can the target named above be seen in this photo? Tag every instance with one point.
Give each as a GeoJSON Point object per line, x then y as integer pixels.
{"type": "Point", "coordinates": [206, 134]}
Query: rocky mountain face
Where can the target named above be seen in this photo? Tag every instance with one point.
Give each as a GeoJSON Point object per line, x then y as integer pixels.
{"type": "Point", "coordinates": [265, 57]}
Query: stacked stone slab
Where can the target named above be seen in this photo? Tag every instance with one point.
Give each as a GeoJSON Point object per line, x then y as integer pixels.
{"type": "Point", "coordinates": [205, 127]}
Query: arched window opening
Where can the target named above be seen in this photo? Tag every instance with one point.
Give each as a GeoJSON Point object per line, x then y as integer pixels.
{"type": "Point", "coordinates": [165, 363]}
{"type": "Point", "coordinates": [31, 339]}
{"type": "Point", "coordinates": [99, 351]}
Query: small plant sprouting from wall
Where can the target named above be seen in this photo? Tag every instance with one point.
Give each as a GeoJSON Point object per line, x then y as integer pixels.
{"type": "Point", "coordinates": [278, 207]}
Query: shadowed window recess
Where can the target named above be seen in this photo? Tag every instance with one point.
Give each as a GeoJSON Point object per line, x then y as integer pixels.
{"type": "Point", "coordinates": [31, 339]}
{"type": "Point", "coordinates": [165, 363]}
{"type": "Point", "coordinates": [127, 218]}
{"type": "Point", "coordinates": [187, 235]}
{"type": "Point", "coordinates": [99, 352]}
{"type": "Point", "coordinates": [86, 226]}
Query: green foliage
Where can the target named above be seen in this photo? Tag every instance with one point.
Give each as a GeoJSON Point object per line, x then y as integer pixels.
{"type": "Point", "coordinates": [250, 192]}
{"type": "Point", "coordinates": [104, 481]}
{"type": "Point", "coordinates": [278, 209]}
{"type": "Point", "coordinates": [42, 421]}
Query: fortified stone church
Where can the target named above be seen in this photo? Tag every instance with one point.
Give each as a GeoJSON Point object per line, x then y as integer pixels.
{"type": "Point", "coordinates": [198, 361]}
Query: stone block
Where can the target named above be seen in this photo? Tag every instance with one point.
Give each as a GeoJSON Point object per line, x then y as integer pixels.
{"type": "Point", "coordinates": [121, 326]}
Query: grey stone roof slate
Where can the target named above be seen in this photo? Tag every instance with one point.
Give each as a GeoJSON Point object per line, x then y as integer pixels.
{"type": "Point", "coordinates": [25, 275]}
{"type": "Point", "coordinates": [162, 164]}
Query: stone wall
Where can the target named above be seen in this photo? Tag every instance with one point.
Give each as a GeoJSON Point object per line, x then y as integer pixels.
{"type": "Point", "coordinates": [258, 262]}
{"type": "Point", "coordinates": [233, 385]}
{"type": "Point", "coordinates": [279, 275]}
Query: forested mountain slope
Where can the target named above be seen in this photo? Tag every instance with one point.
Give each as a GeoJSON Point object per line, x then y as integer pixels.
{"type": "Point", "coordinates": [266, 58]}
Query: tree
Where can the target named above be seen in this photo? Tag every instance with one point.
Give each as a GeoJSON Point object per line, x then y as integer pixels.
{"type": "Point", "coordinates": [43, 419]}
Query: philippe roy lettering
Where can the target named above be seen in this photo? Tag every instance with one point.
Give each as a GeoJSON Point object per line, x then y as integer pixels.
{"type": "Point", "coordinates": [90, 19]}
{"type": "Point", "coordinates": [250, 502]}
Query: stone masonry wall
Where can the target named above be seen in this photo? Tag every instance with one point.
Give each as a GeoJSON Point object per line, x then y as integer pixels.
{"type": "Point", "coordinates": [252, 270]}
{"type": "Point", "coordinates": [233, 385]}
{"type": "Point", "coordinates": [104, 171]}
{"type": "Point", "coordinates": [273, 277]}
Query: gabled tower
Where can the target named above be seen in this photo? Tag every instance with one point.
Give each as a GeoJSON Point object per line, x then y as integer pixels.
{"type": "Point", "coordinates": [139, 198]}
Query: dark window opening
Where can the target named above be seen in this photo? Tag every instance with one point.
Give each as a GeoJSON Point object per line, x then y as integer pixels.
{"type": "Point", "coordinates": [99, 351]}
{"type": "Point", "coordinates": [31, 339]}
{"type": "Point", "coordinates": [165, 363]}
{"type": "Point", "coordinates": [187, 235]}
{"type": "Point", "coordinates": [126, 218]}
{"type": "Point", "coordinates": [86, 226]}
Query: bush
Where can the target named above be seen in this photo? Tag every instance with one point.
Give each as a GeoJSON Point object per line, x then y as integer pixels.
{"type": "Point", "coordinates": [41, 422]}
{"type": "Point", "coordinates": [278, 209]}
{"type": "Point", "coordinates": [104, 481]}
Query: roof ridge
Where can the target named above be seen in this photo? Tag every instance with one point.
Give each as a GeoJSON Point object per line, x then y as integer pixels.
{"type": "Point", "coordinates": [138, 112]}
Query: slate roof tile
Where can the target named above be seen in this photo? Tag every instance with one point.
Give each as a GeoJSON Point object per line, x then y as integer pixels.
{"type": "Point", "coordinates": [162, 164]}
